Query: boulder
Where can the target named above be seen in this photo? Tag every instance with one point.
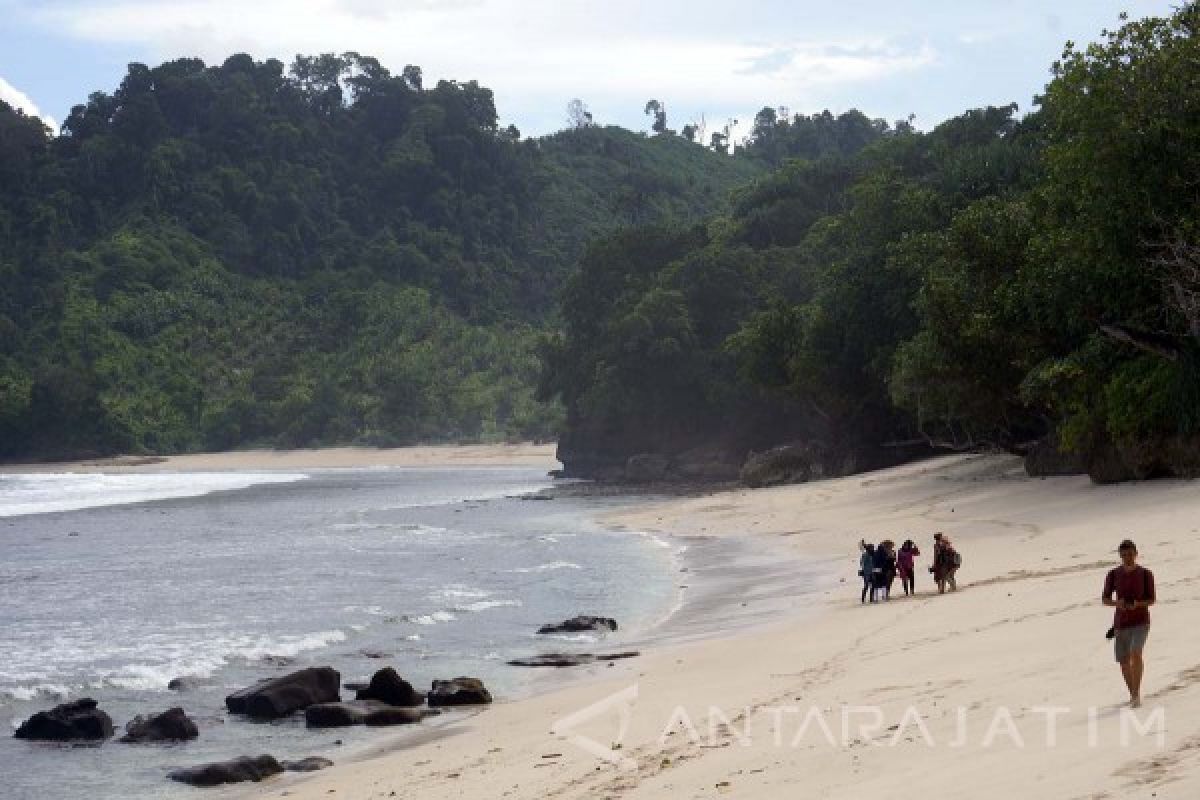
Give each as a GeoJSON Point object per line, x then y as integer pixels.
{"type": "Point", "coordinates": [181, 684]}
{"type": "Point", "coordinates": [278, 697]}
{"type": "Point", "coordinates": [339, 715]}
{"type": "Point", "coordinates": [1047, 457]}
{"type": "Point", "coordinates": [581, 624]}
{"type": "Point", "coordinates": [458, 692]}
{"type": "Point", "coordinates": [310, 764]}
{"type": "Point", "coordinates": [361, 712]}
{"type": "Point", "coordinates": [568, 659]}
{"type": "Point", "coordinates": [235, 770]}
{"type": "Point", "coordinates": [384, 717]}
{"type": "Point", "coordinates": [77, 721]}
{"type": "Point", "coordinates": [646, 468]}
{"type": "Point", "coordinates": [789, 463]}
{"type": "Point", "coordinates": [387, 686]}
{"type": "Point", "coordinates": [173, 725]}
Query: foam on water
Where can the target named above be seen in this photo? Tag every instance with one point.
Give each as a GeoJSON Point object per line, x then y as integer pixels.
{"type": "Point", "coordinates": [44, 493]}
{"type": "Point", "coordinates": [553, 565]}
{"type": "Point", "coordinates": [158, 661]}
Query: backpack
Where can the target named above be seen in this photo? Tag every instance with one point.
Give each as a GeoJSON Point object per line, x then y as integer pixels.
{"type": "Point", "coordinates": [956, 559]}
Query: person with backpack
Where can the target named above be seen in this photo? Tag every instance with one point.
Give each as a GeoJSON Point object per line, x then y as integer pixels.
{"type": "Point", "coordinates": [1129, 588]}
{"type": "Point", "coordinates": [946, 562]}
{"type": "Point", "coordinates": [889, 567]}
{"type": "Point", "coordinates": [907, 566]}
{"type": "Point", "coordinates": [879, 574]}
{"type": "Point", "coordinates": [866, 568]}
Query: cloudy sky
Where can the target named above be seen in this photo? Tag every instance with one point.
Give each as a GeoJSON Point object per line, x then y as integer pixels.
{"type": "Point", "coordinates": [933, 58]}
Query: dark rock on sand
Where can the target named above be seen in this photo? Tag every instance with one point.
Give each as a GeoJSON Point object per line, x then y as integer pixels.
{"type": "Point", "coordinates": [310, 764]}
{"type": "Point", "coordinates": [278, 697]}
{"type": "Point", "coordinates": [1047, 457]}
{"type": "Point", "coordinates": [235, 770]}
{"type": "Point", "coordinates": [77, 721]}
{"type": "Point", "coordinates": [789, 463]}
{"type": "Point", "coordinates": [181, 684]}
{"type": "Point", "coordinates": [387, 686]}
{"type": "Point", "coordinates": [361, 712]}
{"type": "Point", "coordinates": [458, 692]}
{"type": "Point", "coordinates": [173, 725]}
{"type": "Point", "coordinates": [384, 717]}
{"type": "Point", "coordinates": [569, 659]}
{"type": "Point", "coordinates": [581, 624]}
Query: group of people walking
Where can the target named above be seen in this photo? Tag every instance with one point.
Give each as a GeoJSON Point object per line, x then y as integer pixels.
{"type": "Point", "coordinates": [879, 564]}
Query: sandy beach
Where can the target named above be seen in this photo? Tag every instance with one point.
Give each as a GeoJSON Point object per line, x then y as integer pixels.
{"type": "Point", "coordinates": [484, 455]}
{"type": "Point", "coordinates": [1005, 688]}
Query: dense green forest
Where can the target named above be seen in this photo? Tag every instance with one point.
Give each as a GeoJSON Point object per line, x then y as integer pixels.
{"type": "Point", "coordinates": [1026, 283]}
{"type": "Point", "coordinates": [248, 254]}
{"type": "Point", "coordinates": [220, 256]}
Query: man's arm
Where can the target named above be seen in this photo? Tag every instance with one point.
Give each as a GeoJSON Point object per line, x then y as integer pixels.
{"type": "Point", "coordinates": [1106, 596]}
{"type": "Point", "coordinates": [1149, 592]}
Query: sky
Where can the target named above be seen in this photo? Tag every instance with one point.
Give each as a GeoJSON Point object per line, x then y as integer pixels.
{"type": "Point", "coordinates": [703, 59]}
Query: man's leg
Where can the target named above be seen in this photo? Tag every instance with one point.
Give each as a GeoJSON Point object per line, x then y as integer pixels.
{"type": "Point", "coordinates": [1127, 674]}
{"type": "Point", "coordinates": [950, 580]}
{"type": "Point", "coordinates": [1136, 667]}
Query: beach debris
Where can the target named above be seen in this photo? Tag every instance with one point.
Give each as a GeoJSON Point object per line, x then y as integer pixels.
{"type": "Point", "coordinates": [372, 713]}
{"type": "Point", "coordinates": [581, 624]}
{"type": "Point", "coordinates": [172, 725]}
{"type": "Point", "coordinates": [569, 659]}
{"type": "Point", "coordinates": [80, 720]}
{"type": "Point", "coordinates": [278, 697]}
{"type": "Point", "coordinates": [310, 764]}
{"type": "Point", "coordinates": [458, 692]}
{"type": "Point", "coordinates": [387, 686]}
{"type": "Point", "coordinates": [237, 770]}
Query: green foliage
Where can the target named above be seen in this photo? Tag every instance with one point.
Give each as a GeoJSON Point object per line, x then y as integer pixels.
{"type": "Point", "coordinates": [219, 256]}
{"type": "Point", "coordinates": [981, 284]}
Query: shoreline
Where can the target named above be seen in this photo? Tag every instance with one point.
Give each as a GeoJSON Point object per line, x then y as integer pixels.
{"type": "Point", "coordinates": [1025, 631]}
{"type": "Point", "coordinates": [701, 613]}
{"type": "Point", "coordinates": [525, 454]}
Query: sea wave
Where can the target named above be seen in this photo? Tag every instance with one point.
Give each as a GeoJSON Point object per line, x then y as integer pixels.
{"type": "Point", "coordinates": [547, 567]}
{"type": "Point", "coordinates": [475, 497]}
{"type": "Point", "coordinates": [156, 667]}
{"type": "Point", "coordinates": [45, 493]}
{"type": "Point", "coordinates": [484, 605]}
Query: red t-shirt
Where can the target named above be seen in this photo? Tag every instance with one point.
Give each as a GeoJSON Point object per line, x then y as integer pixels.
{"type": "Point", "coordinates": [1132, 584]}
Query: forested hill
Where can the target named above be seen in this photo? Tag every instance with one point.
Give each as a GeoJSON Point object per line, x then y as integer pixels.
{"type": "Point", "coordinates": [1031, 284]}
{"type": "Point", "coordinates": [220, 256]}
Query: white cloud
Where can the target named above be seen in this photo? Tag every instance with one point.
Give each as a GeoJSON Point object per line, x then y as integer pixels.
{"type": "Point", "coordinates": [18, 99]}
{"type": "Point", "coordinates": [533, 53]}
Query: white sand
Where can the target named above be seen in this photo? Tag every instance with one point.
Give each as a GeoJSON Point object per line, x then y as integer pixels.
{"type": "Point", "coordinates": [494, 455]}
{"type": "Point", "coordinates": [1024, 631]}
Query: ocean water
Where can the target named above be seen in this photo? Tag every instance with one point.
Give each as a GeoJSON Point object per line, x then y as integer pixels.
{"type": "Point", "coordinates": [112, 585]}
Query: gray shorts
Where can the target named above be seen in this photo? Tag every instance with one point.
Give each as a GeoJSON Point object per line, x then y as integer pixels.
{"type": "Point", "coordinates": [1130, 640]}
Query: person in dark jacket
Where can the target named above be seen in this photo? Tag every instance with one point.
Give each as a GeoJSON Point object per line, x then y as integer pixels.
{"type": "Point", "coordinates": [866, 568]}
{"type": "Point", "coordinates": [906, 564]}
{"type": "Point", "coordinates": [880, 573]}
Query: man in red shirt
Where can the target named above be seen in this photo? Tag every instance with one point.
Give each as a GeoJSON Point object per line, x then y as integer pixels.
{"type": "Point", "coordinates": [1130, 589]}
